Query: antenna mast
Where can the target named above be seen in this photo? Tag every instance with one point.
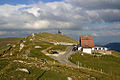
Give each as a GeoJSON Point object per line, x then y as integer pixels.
{"type": "Point", "coordinates": [59, 30]}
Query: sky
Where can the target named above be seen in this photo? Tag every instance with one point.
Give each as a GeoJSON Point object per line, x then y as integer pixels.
{"type": "Point", "coordinates": [98, 18]}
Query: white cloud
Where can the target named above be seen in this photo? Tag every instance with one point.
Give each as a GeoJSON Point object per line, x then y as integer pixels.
{"type": "Point", "coordinates": [34, 11]}
{"type": "Point", "coordinates": [51, 14]}
{"type": "Point", "coordinates": [7, 10]}
{"type": "Point", "coordinates": [37, 25]}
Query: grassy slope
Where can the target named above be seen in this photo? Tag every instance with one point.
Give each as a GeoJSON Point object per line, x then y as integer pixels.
{"type": "Point", "coordinates": [5, 41]}
{"type": "Point", "coordinates": [55, 71]}
{"type": "Point", "coordinates": [107, 63]}
{"type": "Point", "coordinates": [115, 53]}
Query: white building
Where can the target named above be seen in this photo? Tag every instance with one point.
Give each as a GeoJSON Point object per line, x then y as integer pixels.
{"type": "Point", "coordinates": [86, 44]}
{"type": "Point", "coordinates": [100, 48]}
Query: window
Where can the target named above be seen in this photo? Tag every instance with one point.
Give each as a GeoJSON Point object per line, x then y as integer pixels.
{"type": "Point", "coordinates": [99, 48]}
{"type": "Point", "coordinates": [95, 48]}
{"type": "Point", "coordinates": [103, 48]}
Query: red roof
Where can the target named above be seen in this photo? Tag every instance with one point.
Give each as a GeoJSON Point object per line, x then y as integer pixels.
{"type": "Point", "coordinates": [86, 41]}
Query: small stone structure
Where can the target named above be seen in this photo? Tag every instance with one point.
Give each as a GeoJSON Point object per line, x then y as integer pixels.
{"type": "Point", "coordinates": [37, 47]}
{"type": "Point", "coordinates": [69, 78]}
{"type": "Point", "coordinates": [23, 70]}
{"type": "Point", "coordinates": [21, 46]}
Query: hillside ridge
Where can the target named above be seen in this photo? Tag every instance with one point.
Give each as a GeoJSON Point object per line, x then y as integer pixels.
{"type": "Point", "coordinates": [25, 60]}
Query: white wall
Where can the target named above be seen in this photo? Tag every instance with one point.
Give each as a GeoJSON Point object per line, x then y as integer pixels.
{"type": "Point", "coordinates": [87, 50]}
{"type": "Point", "coordinates": [93, 48]}
{"type": "Point", "coordinates": [79, 48]}
{"type": "Point", "coordinates": [106, 49]}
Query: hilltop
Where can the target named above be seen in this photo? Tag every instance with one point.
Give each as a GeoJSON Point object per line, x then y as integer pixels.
{"type": "Point", "coordinates": [27, 59]}
{"type": "Point", "coordinates": [49, 37]}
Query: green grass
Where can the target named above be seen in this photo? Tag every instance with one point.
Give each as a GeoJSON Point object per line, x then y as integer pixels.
{"type": "Point", "coordinates": [36, 53]}
{"type": "Point", "coordinates": [115, 53]}
{"type": "Point", "coordinates": [12, 40]}
{"type": "Point", "coordinates": [49, 37]}
{"type": "Point", "coordinates": [12, 74]}
{"type": "Point", "coordinates": [5, 41]}
{"type": "Point", "coordinates": [57, 48]}
{"type": "Point", "coordinates": [3, 63]}
{"type": "Point", "coordinates": [3, 47]}
{"type": "Point", "coordinates": [51, 75]}
{"type": "Point", "coordinates": [97, 53]}
{"type": "Point", "coordinates": [107, 63]}
{"type": "Point", "coordinates": [56, 71]}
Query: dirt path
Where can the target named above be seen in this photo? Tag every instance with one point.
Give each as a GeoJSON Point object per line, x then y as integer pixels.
{"type": "Point", "coordinates": [64, 58]}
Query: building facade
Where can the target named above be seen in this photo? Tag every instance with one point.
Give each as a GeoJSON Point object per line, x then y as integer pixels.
{"type": "Point", "coordinates": [86, 44]}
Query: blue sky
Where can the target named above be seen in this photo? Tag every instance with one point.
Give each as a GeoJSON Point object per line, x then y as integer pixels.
{"type": "Point", "coordinates": [19, 18]}
{"type": "Point", "coordinates": [16, 2]}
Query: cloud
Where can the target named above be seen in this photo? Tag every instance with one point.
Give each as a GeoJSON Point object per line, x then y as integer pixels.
{"type": "Point", "coordinates": [37, 25]}
{"type": "Point", "coordinates": [108, 27]}
{"type": "Point", "coordinates": [33, 10]}
{"type": "Point", "coordinates": [99, 11]}
{"type": "Point", "coordinates": [78, 15]}
{"type": "Point", "coordinates": [36, 16]}
{"type": "Point", "coordinates": [96, 4]}
{"type": "Point", "coordinates": [9, 10]}
{"type": "Point", "coordinates": [110, 33]}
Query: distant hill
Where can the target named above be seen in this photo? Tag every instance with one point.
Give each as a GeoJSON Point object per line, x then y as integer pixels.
{"type": "Point", "coordinates": [114, 46]}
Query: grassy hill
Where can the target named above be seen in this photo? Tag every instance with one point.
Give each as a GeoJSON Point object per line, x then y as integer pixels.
{"type": "Point", "coordinates": [109, 64]}
{"type": "Point", "coordinates": [49, 37]}
{"type": "Point", "coordinates": [31, 58]}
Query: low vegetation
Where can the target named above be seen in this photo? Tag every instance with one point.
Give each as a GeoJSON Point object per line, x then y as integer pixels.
{"type": "Point", "coordinates": [47, 71]}
{"type": "Point", "coordinates": [106, 63]}
{"type": "Point", "coordinates": [49, 37]}
{"type": "Point", "coordinates": [115, 53]}
{"type": "Point", "coordinates": [5, 41]}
